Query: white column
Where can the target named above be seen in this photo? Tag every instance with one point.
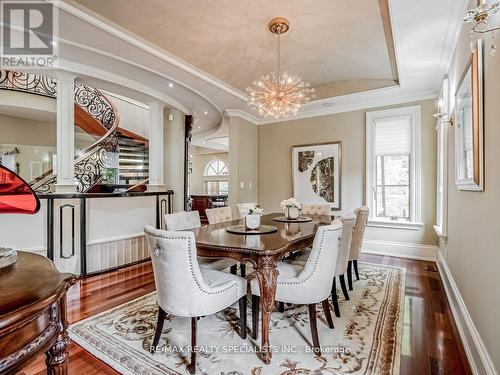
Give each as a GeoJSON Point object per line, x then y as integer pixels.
{"type": "Point", "coordinates": [65, 133]}
{"type": "Point", "coordinates": [174, 157]}
{"type": "Point", "coordinates": [156, 149]}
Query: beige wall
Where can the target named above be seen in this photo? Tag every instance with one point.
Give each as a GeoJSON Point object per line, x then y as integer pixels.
{"type": "Point", "coordinates": [275, 173]}
{"type": "Point", "coordinates": [473, 251]}
{"type": "Point", "coordinates": [20, 131]}
{"type": "Point", "coordinates": [243, 149]}
{"type": "Point", "coordinates": [199, 163]}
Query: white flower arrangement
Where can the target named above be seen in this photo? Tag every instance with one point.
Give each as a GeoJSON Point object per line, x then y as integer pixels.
{"type": "Point", "coordinates": [255, 210]}
{"type": "Point", "coordinates": [290, 202]}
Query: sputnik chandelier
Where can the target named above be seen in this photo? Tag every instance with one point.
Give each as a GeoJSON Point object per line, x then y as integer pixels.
{"type": "Point", "coordinates": [479, 18]}
{"type": "Point", "coordinates": [277, 94]}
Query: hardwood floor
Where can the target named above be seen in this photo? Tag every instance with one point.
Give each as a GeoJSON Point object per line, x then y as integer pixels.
{"type": "Point", "coordinates": [431, 344]}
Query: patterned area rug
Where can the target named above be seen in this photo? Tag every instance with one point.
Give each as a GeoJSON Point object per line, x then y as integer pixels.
{"type": "Point", "coordinates": [366, 339]}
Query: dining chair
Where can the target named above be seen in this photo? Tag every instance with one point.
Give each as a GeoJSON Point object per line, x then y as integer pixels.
{"type": "Point", "coordinates": [185, 289]}
{"type": "Point", "coordinates": [306, 284]}
{"type": "Point", "coordinates": [241, 207]}
{"type": "Point", "coordinates": [188, 220]}
{"type": "Point", "coordinates": [302, 256]}
{"type": "Point", "coordinates": [358, 235]}
{"type": "Point", "coordinates": [219, 215]}
{"type": "Point", "coordinates": [316, 209]}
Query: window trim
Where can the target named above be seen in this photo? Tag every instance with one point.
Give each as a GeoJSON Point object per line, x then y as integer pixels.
{"type": "Point", "coordinates": [207, 166]}
{"type": "Point", "coordinates": [414, 115]}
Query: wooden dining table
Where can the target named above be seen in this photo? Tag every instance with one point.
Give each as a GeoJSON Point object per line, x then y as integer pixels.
{"type": "Point", "coordinates": [263, 251]}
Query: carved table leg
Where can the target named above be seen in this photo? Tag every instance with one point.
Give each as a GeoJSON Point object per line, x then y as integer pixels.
{"type": "Point", "coordinates": [57, 355]}
{"type": "Point", "coordinates": [267, 274]}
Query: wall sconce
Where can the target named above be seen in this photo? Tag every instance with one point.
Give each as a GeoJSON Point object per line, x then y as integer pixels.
{"type": "Point", "coordinates": [441, 116]}
{"type": "Point", "coordinates": [479, 18]}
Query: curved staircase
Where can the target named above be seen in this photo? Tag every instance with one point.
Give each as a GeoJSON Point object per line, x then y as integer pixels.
{"type": "Point", "coordinates": [97, 116]}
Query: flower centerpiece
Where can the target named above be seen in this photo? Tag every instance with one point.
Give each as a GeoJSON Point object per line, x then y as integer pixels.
{"type": "Point", "coordinates": [292, 208]}
{"type": "Point", "coordinates": [252, 216]}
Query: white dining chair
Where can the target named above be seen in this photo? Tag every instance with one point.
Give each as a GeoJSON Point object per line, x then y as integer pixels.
{"type": "Point", "coordinates": [188, 220]}
{"type": "Point", "coordinates": [302, 256]}
{"type": "Point", "coordinates": [306, 284]}
{"type": "Point", "coordinates": [358, 235]}
{"type": "Point", "coordinates": [185, 289]}
{"type": "Point", "coordinates": [219, 215]}
{"type": "Point", "coordinates": [316, 209]}
{"type": "Point", "coordinates": [242, 207]}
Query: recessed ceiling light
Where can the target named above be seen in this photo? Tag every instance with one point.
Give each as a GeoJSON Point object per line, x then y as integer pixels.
{"type": "Point", "coordinates": [205, 113]}
{"type": "Point", "coordinates": [170, 84]}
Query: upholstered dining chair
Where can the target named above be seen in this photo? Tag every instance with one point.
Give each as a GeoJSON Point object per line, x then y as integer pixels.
{"type": "Point", "coordinates": [301, 257]}
{"type": "Point", "coordinates": [187, 290]}
{"type": "Point", "coordinates": [308, 284]}
{"type": "Point", "coordinates": [188, 220]}
{"type": "Point", "coordinates": [218, 215]}
{"type": "Point", "coordinates": [241, 207]}
{"type": "Point", "coordinates": [358, 235]}
{"type": "Point", "coordinates": [316, 209]}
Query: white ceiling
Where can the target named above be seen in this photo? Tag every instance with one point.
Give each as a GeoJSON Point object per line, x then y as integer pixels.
{"type": "Point", "coordinates": [112, 57]}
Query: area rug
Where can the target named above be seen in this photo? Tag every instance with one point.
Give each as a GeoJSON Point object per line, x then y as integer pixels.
{"type": "Point", "coordinates": [366, 339]}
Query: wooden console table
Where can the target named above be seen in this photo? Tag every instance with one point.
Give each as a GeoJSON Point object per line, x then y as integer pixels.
{"type": "Point", "coordinates": [33, 314]}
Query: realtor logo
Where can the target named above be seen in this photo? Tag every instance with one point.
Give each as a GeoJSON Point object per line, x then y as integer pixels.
{"type": "Point", "coordinates": [28, 31]}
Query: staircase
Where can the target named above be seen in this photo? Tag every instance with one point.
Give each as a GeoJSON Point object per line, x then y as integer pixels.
{"type": "Point", "coordinates": [133, 161]}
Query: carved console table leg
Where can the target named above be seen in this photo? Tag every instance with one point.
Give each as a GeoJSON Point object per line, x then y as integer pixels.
{"type": "Point", "coordinates": [267, 274]}
{"type": "Point", "coordinates": [57, 355]}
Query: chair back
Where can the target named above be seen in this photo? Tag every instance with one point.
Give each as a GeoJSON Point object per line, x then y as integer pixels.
{"type": "Point", "coordinates": [322, 259]}
{"type": "Point", "coordinates": [241, 207]}
{"type": "Point", "coordinates": [179, 283]}
{"type": "Point", "coordinates": [358, 233]}
{"type": "Point", "coordinates": [182, 220]}
{"type": "Point", "coordinates": [316, 209]}
{"type": "Point", "coordinates": [345, 244]}
{"type": "Point", "coordinates": [218, 215]}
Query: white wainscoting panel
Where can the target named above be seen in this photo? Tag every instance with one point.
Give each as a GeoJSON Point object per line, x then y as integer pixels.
{"type": "Point", "coordinates": [400, 249]}
{"type": "Point", "coordinates": [479, 359]}
{"type": "Point", "coordinates": [115, 252]}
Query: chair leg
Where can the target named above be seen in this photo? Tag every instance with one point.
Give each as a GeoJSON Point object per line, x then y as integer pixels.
{"type": "Point", "coordinates": [192, 364]}
{"type": "Point", "coordinates": [255, 316]}
{"type": "Point", "coordinates": [344, 289]}
{"type": "Point", "coordinates": [314, 328]}
{"type": "Point", "coordinates": [335, 299]}
{"type": "Point", "coordinates": [243, 270]}
{"type": "Point", "coordinates": [328, 315]}
{"type": "Point", "coordinates": [243, 317]}
{"type": "Point", "coordinates": [159, 328]}
{"type": "Point", "coordinates": [349, 274]}
{"type": "Point", "coordinates": [281, 307]}
{"type": "Point", "coordinates": [355, 262]}
{"type": "Point", "coordinates": [234, 269]}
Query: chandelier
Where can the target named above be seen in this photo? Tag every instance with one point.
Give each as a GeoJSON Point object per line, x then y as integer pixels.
{"type": "Point", "coordinates": [279, 95]}
{"type": "Point", "coordinates": [479, 18]}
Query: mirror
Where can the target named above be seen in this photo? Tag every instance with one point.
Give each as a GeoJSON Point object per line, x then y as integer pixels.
{"type": "Point", "coordinates": [469, 124]}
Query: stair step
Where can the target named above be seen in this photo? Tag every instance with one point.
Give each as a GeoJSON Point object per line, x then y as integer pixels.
{"type": "Point", "coordinates": [130, 142]}
{"type": "Point", "coordinates": [133, 155]}
{"type": "Point", "coordinates": [132, 175]}
{"type": "Point", "coordinates": [132, 168]}
{"type": "Point", "coordinates": [133, 161]}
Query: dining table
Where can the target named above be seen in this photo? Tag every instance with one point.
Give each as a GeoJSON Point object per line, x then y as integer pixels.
{"type": "Point", "coordinates": [263, 252]}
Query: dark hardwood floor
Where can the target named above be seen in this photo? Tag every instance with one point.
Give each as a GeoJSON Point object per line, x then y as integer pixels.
{"type": "Point", "coordinates": [430, 344]}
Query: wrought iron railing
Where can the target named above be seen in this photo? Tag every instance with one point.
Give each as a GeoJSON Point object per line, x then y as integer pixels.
{"type": "Point", "coordinates": [30, 83]}
{"type": "Point", "coordinates": [90, 165]}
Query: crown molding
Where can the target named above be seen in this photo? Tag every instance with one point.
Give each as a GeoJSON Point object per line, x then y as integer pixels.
{"type": "Point", "coordinates": [244, 115]}
{"type": "Point", "coordinates": [143, 44]}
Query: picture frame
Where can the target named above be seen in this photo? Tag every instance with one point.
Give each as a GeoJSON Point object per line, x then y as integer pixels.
{"type": "Point", "coordinates": [317, 173]}
{"type": "Point", "coordinates": [469, 124]}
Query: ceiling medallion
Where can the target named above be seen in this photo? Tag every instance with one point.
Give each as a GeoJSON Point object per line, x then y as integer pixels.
{"type": "Point", "coordinates": [479, 18]}
{"type": "Point", "coordinates": [277, 94]}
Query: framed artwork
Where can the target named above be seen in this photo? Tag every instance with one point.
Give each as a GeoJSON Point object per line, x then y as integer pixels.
{"type": "Point", "coordinates": [469, 124]}
{"type": "Point", "coordinates": [317, 172]}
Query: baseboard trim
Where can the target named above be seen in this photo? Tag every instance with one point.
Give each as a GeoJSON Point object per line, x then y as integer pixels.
{"type": "Point", "coordinates": [401, 249]}
{"type": "Point", "coordinates": [479, 359]}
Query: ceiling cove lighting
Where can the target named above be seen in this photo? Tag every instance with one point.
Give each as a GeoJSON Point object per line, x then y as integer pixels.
{"type": "Point", "coordinates": [277, 94]}
{"type": "Point", "coordinates": [479, 19]}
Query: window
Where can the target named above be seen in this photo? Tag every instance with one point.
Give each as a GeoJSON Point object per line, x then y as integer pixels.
{"type": "Point", "coordinates": [393, 167]}
{"type": "Point", "coordinates": [216, 177]}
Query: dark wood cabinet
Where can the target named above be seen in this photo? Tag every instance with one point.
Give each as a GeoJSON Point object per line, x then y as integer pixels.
{"type": "Point", "coordinates": [201, 202]}
{"type": "Point", "coordinates": [33, 314]}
